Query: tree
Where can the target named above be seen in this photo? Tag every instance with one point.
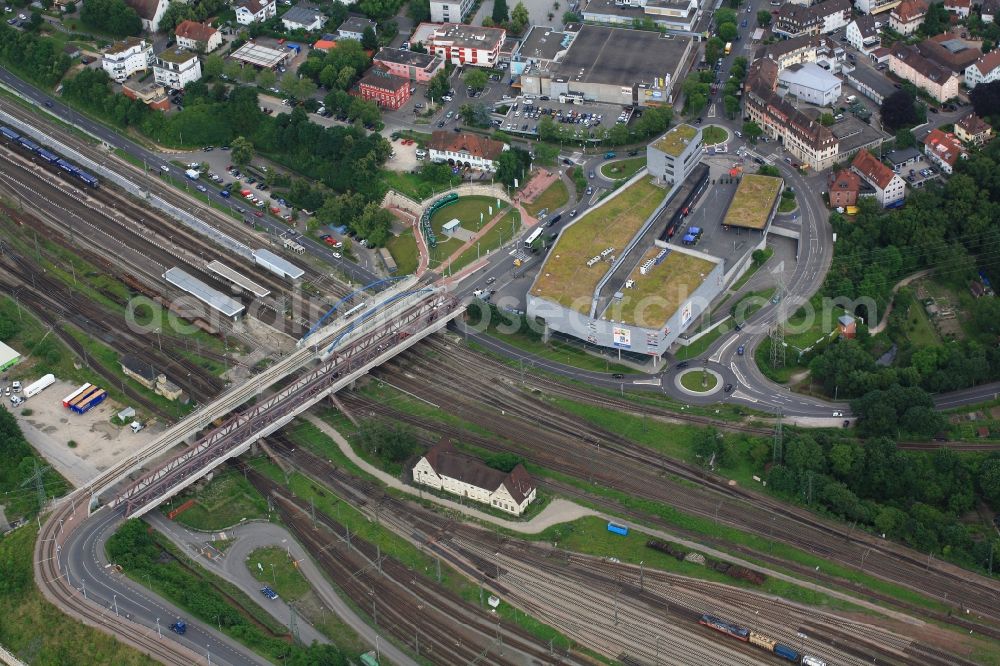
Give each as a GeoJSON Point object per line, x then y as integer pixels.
{"type": "Point", "coordinates": [985, 99]}
{"type": "Point", "coordinates": [519, 18]}
{"type": "Point", "coordinates": [505, 462]}
{"type": "Point", "coordinates": [752, 131]}
{"type": "Point", "coordinates": [438, 86]}
{"type": "Point", "coordinates": [212, 66]}
{"type": "Point", "coordinates": [475, 115]}
{"type": "Point", "coordinates": [476, 78]}
{"type": "Point", "coordinates": [231, 69]}
{"type": "Point", "coordinates": [266, 78]}
{"type": "Point", "coordinates": [899, 111]}
{"type": "Point", "coordinates": [989, 481]}
{"type": "Point", "coordinates": [419, 11]}
{"type": "Point", "coordinates": [826, 119]}
{"type": "Point", "coordinates": [727, 32]}
{"type": "Point", "coordinates": [724, 15]}
{"type": "Point", "coordinates": [905, 139]}
{"type": "Point", "coordinates": [763, 18]}
{"type": "Point", "coordinates": [513, 164]}
{"type": "Point", "coordinates": [936, 21]}
{"type": "Point", "coordinates": [731, 104]}
{"type": "Point", "coordinates": [500, 12]}
{"type": "Point", "coordinates": [713, 49]}
{"type": "Point", "coordinates": [111, 16]}
{"type": "Point", "coordinates": [35, 21]}
{"type": "Point", "coordinates": [241, 151]}
{"type": "Point", "coordinates": [369, 40]}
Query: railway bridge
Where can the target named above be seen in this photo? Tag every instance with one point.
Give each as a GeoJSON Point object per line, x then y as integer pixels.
{"type": "Point", "coordinates": [341, 356]}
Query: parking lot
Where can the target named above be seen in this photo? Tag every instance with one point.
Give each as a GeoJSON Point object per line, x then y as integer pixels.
{"type": "Point", "coordinates": [918, 173]}
{"type": "Point", "coordinates": [524, 114]}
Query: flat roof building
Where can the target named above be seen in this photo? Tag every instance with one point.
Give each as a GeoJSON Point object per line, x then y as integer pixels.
{"type": "Point", "coordinates": [259, 56]}
{"type": "Point", "coordinates": [8, 356]}
{"type": "Point", "coordinates": [810, 83]}
{"type": "Point", "coordinates": [204, 293]}
{"type": "Point", "coordinates": [419, 67]}
{"type": "Point", "coordinates": [615, 66]}
{"type": "Point", "coordinates": [679, 15]}
{"type": "Point", "coordinates": [465, 44]}
{"type": "Point", "coordinates": [672, 157]}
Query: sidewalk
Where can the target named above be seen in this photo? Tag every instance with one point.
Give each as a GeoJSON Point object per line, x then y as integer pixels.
{"type": "Point", "coordinates": [423, 254]}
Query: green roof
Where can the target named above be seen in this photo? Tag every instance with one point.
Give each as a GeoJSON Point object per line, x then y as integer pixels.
{"type": "Point", "coordinates": [177, 55]}
{"type": "Point", "coordinates": [676, 140]}
{"type": "Point", "coordinates": [753, 202]}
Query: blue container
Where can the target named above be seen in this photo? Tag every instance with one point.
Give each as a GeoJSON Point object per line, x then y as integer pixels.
{"type": "Point", "coordinates": [618, 529]}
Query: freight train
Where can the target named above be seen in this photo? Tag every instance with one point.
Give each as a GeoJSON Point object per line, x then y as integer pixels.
{"type": "Point", "coordinates": [759, 640]}
{"type": "Point", "coordinates": [49, 157]}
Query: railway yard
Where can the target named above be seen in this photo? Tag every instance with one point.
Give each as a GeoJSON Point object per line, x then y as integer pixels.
{"type": "Point", "coordinates": [89, 262]}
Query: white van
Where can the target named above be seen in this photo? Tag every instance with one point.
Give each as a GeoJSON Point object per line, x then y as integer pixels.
{"type": "Point", "coordinates": [136, 426]}
{"type": "Point", "coordinates": [421, 153]}
{"type": "Point", "coordinates": [851, 99]}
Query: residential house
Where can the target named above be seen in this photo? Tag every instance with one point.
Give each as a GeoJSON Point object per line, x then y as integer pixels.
{"type": "Point", "coordinates": [988, 10]}
{"type": "Point", "coordinates": [144, 373]}
{"type": "Point", "coordinates": [465, 149]}
{"type": "Point", "coordinates": [354, 27]}
{"type": "Point", "coordinates": [303, 18]}
{"type": "Point", "coordinates": [123, 59]}
{"type": "Point", "coordinates": [909, 15]}
{"type": "Point", "coordinates": [466, 44]}
{"type": "Point", "coordinates": [150, 12]}
{"type": "Point", "coordinates": [445, 468]}
{"type": "Point", "coordinates": [176, 67]}
{"type": "Point", "coordinates": [418, 67]}
{"type": "Point", "coordinates": [449, 11]}
{"type": "Point", "coordinates": [150, 93]}
{"type": "Point", "coordinates": [959, 8]}
{"type": "Point", "coordinates": [950, 52]}
{"type": "Point", "coordinates": [72, 51]}
{"type": "Point", "coordinates": [985, 70]}
{"type": "Point", "coordinates": [844, 188]}
{"type": "Point", "coordinates": [197, 36]}
{"type": "Point", "coordinates": [863, 33]}
{"type": "Point", "coordinates": [385, 89]}
{"type": "Point", "coordinates": [889, 187]}
{"type": "Point", "coordinates": [875, 6]}
{"type": "Point", "coordinates": [973, 130]}
{"type": "Point", "coordinates": [907, 63]}
{"type": "Point", "coordinates": [255, 11]}
{"type": "Point", "coordinates": [848, 326]}
{"type": "Point", "coordinates": [944, 149]}
{"type": "Point", "coordinates": [819, 19]}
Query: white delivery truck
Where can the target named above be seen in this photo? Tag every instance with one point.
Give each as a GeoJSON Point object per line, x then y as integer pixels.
{"type": "Point", "coordinates": [193, 174]}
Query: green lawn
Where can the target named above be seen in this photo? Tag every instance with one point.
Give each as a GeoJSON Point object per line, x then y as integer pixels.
{"type": "Point", "coordinates": [553, 198]}
{"type": "Point", "coordinates": [806, 326]}
{"type": "Point", "coordinates": [787, 205]}
{"type": "Point", "coordinates": [225, 501]}
{"type": "Point", "coordinates": [560, 351]}
{"type": "Point", "coordinates": [467, 210]}
{"type": "Point", "coordinates": [413, 185]}
{"type": "Point", "coordinates": [699, 381]}
{"type": "Point", "coordinates": [920, 330]}
{"type": "Point", "coordinates": [272, 567]}
{"type": "Point", "coordinates": [713, 134]}
{"type": "Point", "coordinates": [699, 346]}
{"type": "Point", "coordinates": [623, 169]}
{"type": "Point", "coordinates": [403, 249]}
{"type": "Point", "coordinates": [492, 241]}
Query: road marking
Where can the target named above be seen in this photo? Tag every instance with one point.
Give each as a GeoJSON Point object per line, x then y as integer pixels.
{"type": "Point", "coordinates": [717, 356]}
{"type": "Point", "coordinates": [739, 375]}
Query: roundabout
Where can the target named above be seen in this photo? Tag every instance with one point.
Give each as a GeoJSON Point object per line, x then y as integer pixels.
{"type": "Point", "coordinates": [698, 381]}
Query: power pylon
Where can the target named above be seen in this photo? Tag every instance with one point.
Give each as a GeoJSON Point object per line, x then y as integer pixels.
{"type": "Point", "coordinates": [36, 478]}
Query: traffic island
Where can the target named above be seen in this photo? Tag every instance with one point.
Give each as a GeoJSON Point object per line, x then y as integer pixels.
{"type": "Point", "coordinates": [698, 381]}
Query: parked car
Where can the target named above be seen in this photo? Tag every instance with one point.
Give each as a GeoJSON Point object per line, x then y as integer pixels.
{"type": "Point", "coordinates": [268, 592]}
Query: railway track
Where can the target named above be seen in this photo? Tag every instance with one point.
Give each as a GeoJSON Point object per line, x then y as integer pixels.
{"type": "Point", "coordinates": [164, 190]}
{"type": "Point", "coordinates": [155, 243]}
{"type": "Point", "coordinates": [529, 572]}
{"type": "Point", "coordinates": [570, 445]}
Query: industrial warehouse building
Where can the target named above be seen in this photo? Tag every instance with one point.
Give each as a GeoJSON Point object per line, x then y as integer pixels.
{"type": "Point", "coordinates": [611, 65]}
{"type": "Point", "coordinates": [445, 468]}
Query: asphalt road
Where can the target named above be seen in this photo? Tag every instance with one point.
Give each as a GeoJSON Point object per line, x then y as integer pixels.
{"type": "Point", "coordinates": [83, 558]}
{"type": "Point", "coordinates": [155, 161]}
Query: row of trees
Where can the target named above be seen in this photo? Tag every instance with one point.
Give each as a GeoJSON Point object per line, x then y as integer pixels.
{"type": "Point", "coordinates": [111, 16]}
{"type": "Point", "coordinates": [517, 21]}
{"type": "Point", "coordinates": [652, 122]}
{"type": "Point", "coordinates": [36, 58]}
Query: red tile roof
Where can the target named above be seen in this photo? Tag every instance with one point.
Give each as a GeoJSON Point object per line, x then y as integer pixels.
{"type": "Point", "coordinates": [199, 32]}
{"type": "Point", "coordinates": [845, 181]}
{"type": "Point", "coordinates": [988, 62]}
{"type": "Point", "coordinates": [909, 10]}
{"type": "Point", "coordinates": [474, 144]}
{"type": "Point", "coordinates": [945, 146]}
{"type": "Point", "coordinates": [872, 170]}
